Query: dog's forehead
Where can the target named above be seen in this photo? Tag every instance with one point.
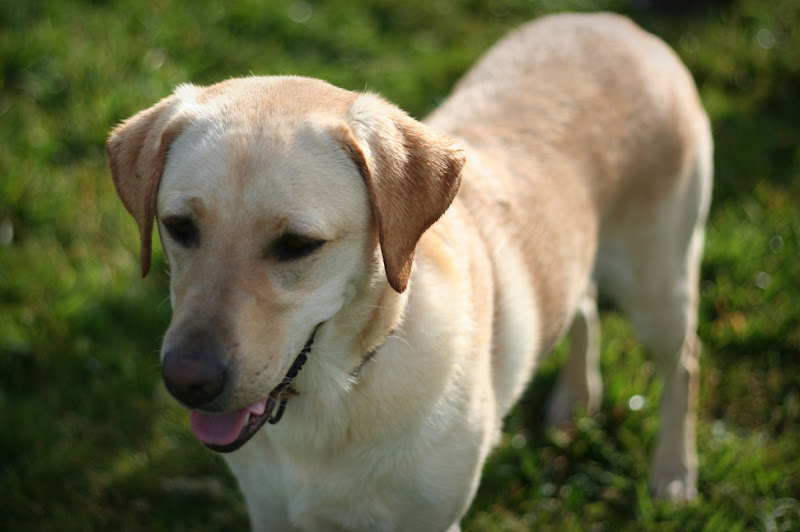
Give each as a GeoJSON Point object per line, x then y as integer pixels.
{"type": "Point", "coordinates": [254, 97]}
{"type": "Point", "coordinates": [235, 163]}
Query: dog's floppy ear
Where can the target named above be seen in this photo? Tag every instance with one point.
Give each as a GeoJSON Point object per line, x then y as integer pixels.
{"type": "Point", "coordinates": [137, 152]}
{"type": "Point", "coordinates": [412, 175]}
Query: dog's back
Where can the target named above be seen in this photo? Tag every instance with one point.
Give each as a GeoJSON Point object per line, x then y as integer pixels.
{"type": "Point", "coordinates": [590, 154]}
{"type": "Point", "coordinates": [597, 87]}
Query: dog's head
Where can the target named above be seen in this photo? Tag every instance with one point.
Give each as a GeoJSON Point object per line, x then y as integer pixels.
{"type": "Point", "coordinates": [276, 199]}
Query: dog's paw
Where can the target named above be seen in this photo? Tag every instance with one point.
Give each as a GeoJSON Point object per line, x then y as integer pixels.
{"type": "Point", "coordinates": [674, 487]}
{"type": "Point", "coordinates": [561, 409]}
{"type": "Point", "coordinates": [566, 403]}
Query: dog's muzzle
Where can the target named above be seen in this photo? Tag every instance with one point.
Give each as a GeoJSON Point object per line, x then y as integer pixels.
{"type": "Point", "coordinates": [199, 377]}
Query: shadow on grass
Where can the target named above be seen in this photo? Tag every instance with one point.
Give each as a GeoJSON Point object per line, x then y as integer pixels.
{"type": "Point", "coordinates": [85, 428]}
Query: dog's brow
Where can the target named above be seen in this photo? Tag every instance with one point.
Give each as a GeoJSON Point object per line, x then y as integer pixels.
{"type": "Point", "coordinates": [178, 204]}
{"type": "Point", "coordinates": [302, 223]}
{"type": "Point", "coordinates": [197, 205]}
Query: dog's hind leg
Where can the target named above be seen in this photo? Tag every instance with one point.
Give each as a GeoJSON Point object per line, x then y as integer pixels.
{"type": "Point", "coordinates": [655, 278]}
{"type": "Point", "coordinates": [664, 258]}
{"type": "Point", "coordinates": [664, 316]}
{"type": "Point", "coordinates": [579, 387]}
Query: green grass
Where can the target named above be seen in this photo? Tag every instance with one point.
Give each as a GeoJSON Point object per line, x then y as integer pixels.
{"type": "Point", "coordinates": [89, 440]}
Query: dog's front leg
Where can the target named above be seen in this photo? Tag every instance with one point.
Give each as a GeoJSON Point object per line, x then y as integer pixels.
{"type": "Point", "coordinates": [579, 386]}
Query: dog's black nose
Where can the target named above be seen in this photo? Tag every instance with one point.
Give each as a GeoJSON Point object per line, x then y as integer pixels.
{"type": "Point", "coordinates": [194, 371]}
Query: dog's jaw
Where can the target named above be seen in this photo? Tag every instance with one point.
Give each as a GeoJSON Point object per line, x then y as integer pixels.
{"type": "Point", "coordinates": [228, 431]}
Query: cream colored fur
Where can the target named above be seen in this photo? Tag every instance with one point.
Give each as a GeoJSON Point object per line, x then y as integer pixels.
{"type": "Point", "coordinates": [580, 161]}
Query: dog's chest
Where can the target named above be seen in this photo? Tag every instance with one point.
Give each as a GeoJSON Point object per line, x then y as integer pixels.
{"type": "Point", "coordinates": [356, 491]}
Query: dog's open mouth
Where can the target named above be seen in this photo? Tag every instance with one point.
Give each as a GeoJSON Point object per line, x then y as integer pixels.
{"type": "Point", "coordinates": [227, 432]}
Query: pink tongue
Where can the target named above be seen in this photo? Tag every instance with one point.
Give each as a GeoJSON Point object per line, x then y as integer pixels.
{"type": "Point", "coordinates": [222, 429]}
{"type": "Point", "coordinates": [218, 429]}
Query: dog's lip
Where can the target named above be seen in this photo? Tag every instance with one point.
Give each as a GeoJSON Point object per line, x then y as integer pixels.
{"type": "Point", "coordinates": [228, 431]}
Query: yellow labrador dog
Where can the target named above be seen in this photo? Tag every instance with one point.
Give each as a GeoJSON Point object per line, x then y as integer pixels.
{"type": "Point", "coordinates": [380, 290]}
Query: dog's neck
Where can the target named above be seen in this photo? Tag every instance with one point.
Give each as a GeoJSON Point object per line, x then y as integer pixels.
{"type": "Point", "coordinates": [350, 339]}
{"type": "Point", "coordinates": [356, 373]}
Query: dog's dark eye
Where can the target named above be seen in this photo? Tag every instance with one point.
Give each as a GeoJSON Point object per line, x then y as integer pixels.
{"type": "Point", "coordinates": [183, 230]}
{"type": "Point", "coordinates": [292, 247]}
